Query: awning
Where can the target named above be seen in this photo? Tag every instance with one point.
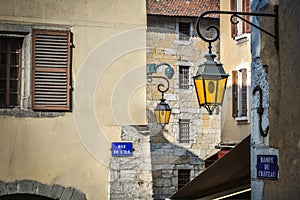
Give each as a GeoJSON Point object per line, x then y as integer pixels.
{"type": "Point", "coordinates": [228, 175]}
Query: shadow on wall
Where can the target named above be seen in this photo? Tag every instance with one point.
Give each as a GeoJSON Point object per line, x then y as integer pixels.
{"type": "Point", "coordinates": [172, 165]}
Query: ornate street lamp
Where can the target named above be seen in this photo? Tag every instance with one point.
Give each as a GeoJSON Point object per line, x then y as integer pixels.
{"type": "Point", "coordinates": [210, 80]}
{"type": "Point", "coordinates": [162, 111]}
{"type": "Point", "coordinates": [210, 83]}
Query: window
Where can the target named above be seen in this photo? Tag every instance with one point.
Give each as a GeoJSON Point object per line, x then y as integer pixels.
{"type": "Point", "coordinates": [10, 71]}
{"type": "Point", "coordinates": [239, 94]}
{"type": "Point", "coordinates": [242, 27]}
{"type": "Point", "coordinates": [183, 77]}
{"type": "Point", "coordinates": [184, 131]}
{"type": "Point", "coordinates": [183, 177]}
{"type": "Point", "coordinates": [45, 75]}
{"type": "Point", "coordinates": [184, 31]}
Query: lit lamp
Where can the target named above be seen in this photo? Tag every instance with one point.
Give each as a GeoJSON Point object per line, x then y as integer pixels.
{"type": "Point", "coordinates": [162, 113]}
{"type": "Point", "coordinates": [210, 82]}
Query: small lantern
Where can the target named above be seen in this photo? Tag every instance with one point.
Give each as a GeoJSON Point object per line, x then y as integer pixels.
{"type": "Point", "coordinates": [210, 83]}
{"type": "Point", "coordinates": [162, 113]}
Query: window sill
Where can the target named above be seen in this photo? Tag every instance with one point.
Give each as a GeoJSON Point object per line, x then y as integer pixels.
{"type": "Point", "coordinates": [183, 42]}
{"type": "Point", "coordinates": [242, 120]}
{"type": "Point", "coordinates": [18, 112]}
{"type": "Point", "coordinates": [187, 90]}
{"type": "Point", "coordinates": [242, 38]}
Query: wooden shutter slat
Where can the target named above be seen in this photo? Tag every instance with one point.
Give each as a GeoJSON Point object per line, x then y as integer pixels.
{"type": "Point", "coordinates": [244, 92]}
{"type": "Point", "coordinates": [51, 67]}
{"type": "Point", "coordinates": [234, 93]}
{"type": "Point", "coordinates": [248, 26]}
{"type": "Point", "coordinates": [246, 8]}
{"type": "Point", "coordinates": [234, 29]}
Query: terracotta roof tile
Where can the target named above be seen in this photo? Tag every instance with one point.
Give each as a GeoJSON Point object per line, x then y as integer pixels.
{"type": "Point", "coordinates": [190, 8]}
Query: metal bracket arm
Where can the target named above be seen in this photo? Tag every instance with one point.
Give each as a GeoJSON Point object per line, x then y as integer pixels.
{"type": "Point", "coordinates": [239, 16]}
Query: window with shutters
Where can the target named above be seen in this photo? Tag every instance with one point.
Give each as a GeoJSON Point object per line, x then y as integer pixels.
{"type": "Point", "coordinates": [184, 77]}
{"type": "Point", "coordinates": [241, 27]}
{"type": "Point", "coordinates": [184, 131]}
{"type": "Point", "coordinates": [35, 65]}
{"type": "Point", "coordinates": [240, 94]}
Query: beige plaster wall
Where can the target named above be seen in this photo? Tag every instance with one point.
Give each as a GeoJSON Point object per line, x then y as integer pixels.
{"type": "Point", "coordinates": [108, 72]}
{"type": "Point", "coordinates": [232, 55]}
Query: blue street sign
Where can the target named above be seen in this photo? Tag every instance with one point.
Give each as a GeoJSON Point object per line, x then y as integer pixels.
{"type": "Point", "coordinates": [121, 149]}
{"type": "Point", "coordinates": [267, 166]}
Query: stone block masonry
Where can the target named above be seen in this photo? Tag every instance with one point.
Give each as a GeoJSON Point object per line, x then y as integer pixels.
{"type": "Point", "coordinates": [131, 177]}
{"type": "Point", "coordinates": [54, 191]}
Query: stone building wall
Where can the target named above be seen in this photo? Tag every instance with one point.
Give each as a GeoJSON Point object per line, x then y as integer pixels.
{"type": "Point", "coordinates": [167, 153]}
{"type": "Point", "coordinates": [277, 71]}
{"type": "Point", "coordinates": [130, 177]}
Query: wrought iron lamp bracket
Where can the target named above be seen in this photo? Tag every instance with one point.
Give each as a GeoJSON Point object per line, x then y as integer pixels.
{"type": "Point", "coordinates": [239, 15]}
{"type": "Point", "coordinates": [161, 87]}
{"type": "Point", "coordinates": [169, 72]}
{"type": "Point", "coordinates": [260, 111]}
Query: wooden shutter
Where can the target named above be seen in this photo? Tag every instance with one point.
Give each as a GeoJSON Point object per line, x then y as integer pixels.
{"type": "Point", "coordinates": [244, 92]}
{"type": "Point", "coordinates": [246, 8]}
{"type": "Point", "coordinates": [234, 29]}
{"type": "Point", "coordinates": [234, 93]}
{"type": "Point", "coordinates": [51, 70]}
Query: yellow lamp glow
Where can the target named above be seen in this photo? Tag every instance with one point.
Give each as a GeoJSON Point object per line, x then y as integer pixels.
{"type": "Point", "coordinates": [210, 83]}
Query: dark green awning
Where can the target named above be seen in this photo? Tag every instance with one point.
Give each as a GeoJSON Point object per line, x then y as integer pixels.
{"type": "Point", "coordinates": [229, 174]}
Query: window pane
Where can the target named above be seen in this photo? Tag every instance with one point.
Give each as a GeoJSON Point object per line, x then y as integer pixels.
{"type": "Point", "coordinates": [14, 59]}
{"type": "Point", "coordinates": [3, 58]}
{"type": "Point", "coordinates": [2, 86]}
{"type": "Point", "coordinates": [14, 85]}
{"type": "Point", "coordinates": [2, 72]}
{"type": "Point", "coordinates": [2, 100]}
{"type": "Point", "coordinates": [13, 99]}
{"type": "Point", "coordinates": [14, 72]}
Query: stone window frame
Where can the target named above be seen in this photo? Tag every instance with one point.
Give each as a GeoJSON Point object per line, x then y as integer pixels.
{"type": "Point", "coordinates": [25, 107]}
{"type": "Point", "coordinates": [191, 32]}
{"type": "Point", "coordinates": [176, 77]}
{"type": "Point", "coordinates": [184, 77]}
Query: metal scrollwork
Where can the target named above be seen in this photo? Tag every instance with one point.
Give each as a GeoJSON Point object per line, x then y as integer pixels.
{"type": "Point", "coordinates": [260, 111]}
{"type": "Point", "coordinates": [169, 72]}
{"type": "Point", "coordinates": [235, 15]}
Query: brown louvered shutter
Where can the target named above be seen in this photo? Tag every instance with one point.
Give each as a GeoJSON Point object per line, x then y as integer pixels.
{"type": "Point", "coordinates": [244, 92]}
{"type": "Point", "coordinates": [51, 70]}
{"type": "Point", "coordinates": [233, 26]}
{"type": "Point", "coordinates": [234, 93]}
{"type": "Point", "coordinates": [246, 8]}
